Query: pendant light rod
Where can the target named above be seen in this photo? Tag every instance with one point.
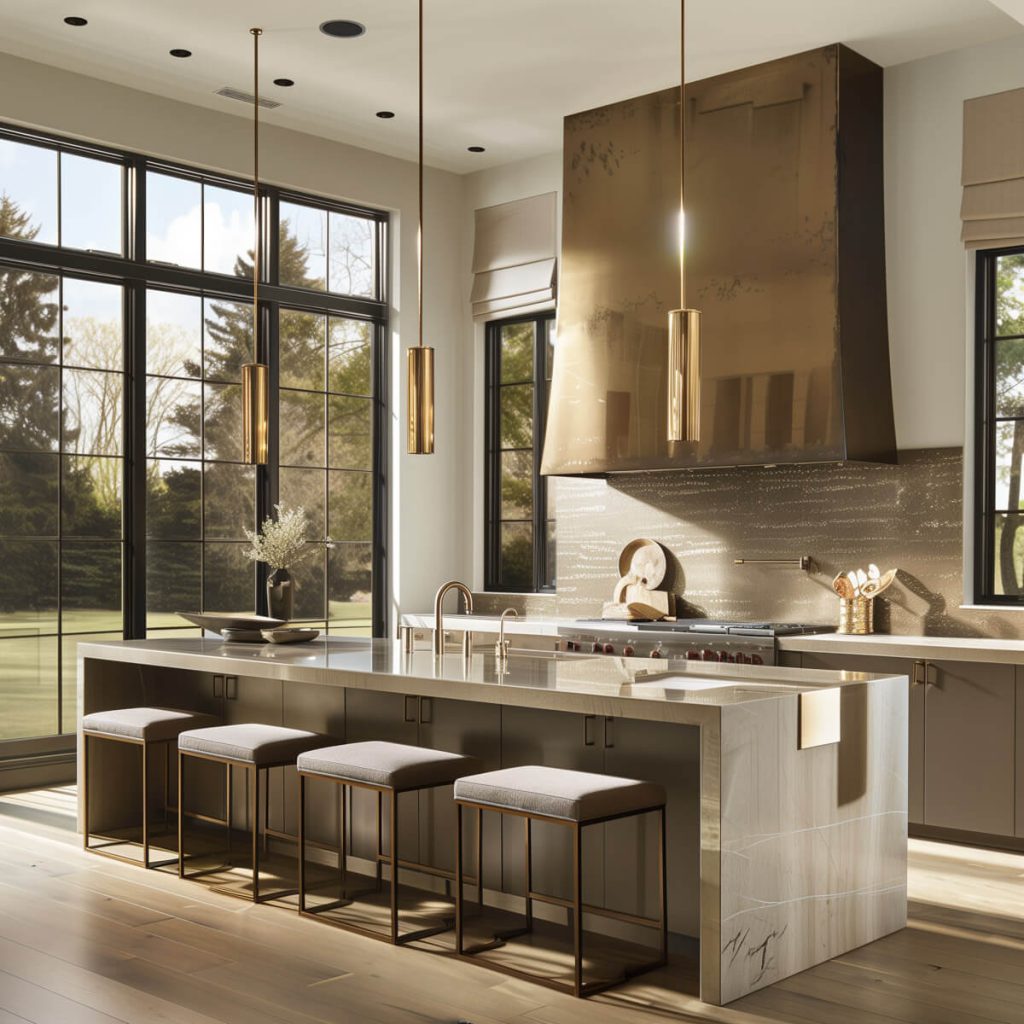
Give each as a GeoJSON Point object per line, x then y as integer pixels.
{"type": "Point", "coordinates": [419, 228]}
{"type": "Point", "coordinates": [682, 152]}
{"type": "Point", "coordinates": [256, 269]}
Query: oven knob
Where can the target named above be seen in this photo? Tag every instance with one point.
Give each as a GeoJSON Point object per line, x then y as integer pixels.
{"type": "Point", "coordinates": [656, 653]}
{"type": "Point", "coordinates": [742, 659]}
{"type": "Point", "coordinates": [756, 659]}
{"type": "Point", "coordinates": [628, 651]}
{"type": "Point", "coordinates": [710, 655]}
{"type": "Point", "coordinates": [570, 645]}
{"type": "Point", "coordinates": [692, 655]}
{"type": "Point", "coordinates": [609, 648]}
{"type": "Point", "coordinates": [726, 656]}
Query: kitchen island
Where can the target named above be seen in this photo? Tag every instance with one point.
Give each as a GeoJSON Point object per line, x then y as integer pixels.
{"type": "Point", "coordinates": [787, 789]}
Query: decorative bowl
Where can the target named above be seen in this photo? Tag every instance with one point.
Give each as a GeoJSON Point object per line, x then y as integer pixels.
{"type": "Point", "coordinates": [296, 635]}
{"type": "Point", "coordinates": [225, 620]}
{"type": "Point", "coordinates": [242, 636]}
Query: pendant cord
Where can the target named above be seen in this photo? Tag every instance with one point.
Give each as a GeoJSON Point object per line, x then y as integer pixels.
{"type": "Point", "coordinates": [256, 263]}
{"type": "Point", "coordinates": [419, 229]}
{"type": "Point", "coordinates": [682, 152]}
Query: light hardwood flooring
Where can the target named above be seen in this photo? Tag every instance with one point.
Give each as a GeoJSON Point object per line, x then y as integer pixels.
{"type": "Point", "coordinates": [86, 940]}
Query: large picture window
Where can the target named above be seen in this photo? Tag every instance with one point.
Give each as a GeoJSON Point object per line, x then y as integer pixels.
{"type": "Point", "coordinates": [520, 517]}
{"type": "Point", "coordinates": [125, 316]}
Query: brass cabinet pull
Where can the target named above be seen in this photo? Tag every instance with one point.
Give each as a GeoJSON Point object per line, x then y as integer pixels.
{"type": "Point", "coordinates": [426, 711]}
{"type": "Point", "coordinates": [931, 675]}
{"type": "Point", "coordinates": [410, 709]}
{"type": "Point", "coordinates": [231, 687]}
{"type": "Point", "coordinates": [920, 670]}
{"type": "Point", "coordinates": [218, 686]}
{"type": "Point", "coordinates": [588, 737]}
{"type": "Point", "coordinates": [608, 741]}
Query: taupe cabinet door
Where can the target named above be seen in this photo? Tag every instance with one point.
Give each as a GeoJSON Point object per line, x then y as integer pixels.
{"type": "Point", "coordinates": [969, 747]}
{"type": "Point", "coordinates": [1020, 751]}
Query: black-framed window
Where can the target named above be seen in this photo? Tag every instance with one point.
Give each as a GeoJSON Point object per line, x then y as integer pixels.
{"type": "Point", "coordinates": [125, 316]}
{"type": "Point", "coordinates": [999, 470]}
{"type": "Point", "coordinates": [520, 515]}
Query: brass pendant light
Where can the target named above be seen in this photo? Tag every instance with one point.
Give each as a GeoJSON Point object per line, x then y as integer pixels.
{"type": "Point", "coordinates": [421, 357]}
{"type": "Point", "coordinates": [683, 323]}
{"type": "Point", "coordinates": [255, 376]}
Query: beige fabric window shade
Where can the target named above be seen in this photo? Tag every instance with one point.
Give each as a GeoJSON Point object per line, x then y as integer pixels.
{"type": "Point", "coordinates": [515, 257]}
{"type": "Point", "coordinates": [992, 209]}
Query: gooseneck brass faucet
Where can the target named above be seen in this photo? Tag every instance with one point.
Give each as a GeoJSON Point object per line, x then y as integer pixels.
{"type": "Point", "coordinates": [501, 645]}
{"type": "Point", "coordinates": [467, 637]}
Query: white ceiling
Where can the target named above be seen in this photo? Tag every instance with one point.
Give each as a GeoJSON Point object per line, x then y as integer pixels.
{"type": "Point", "coordinates": [500, 75]}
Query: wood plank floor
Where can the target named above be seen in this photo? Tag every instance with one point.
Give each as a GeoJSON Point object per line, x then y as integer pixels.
{"type": "Point", "coordinates": [84, 940]}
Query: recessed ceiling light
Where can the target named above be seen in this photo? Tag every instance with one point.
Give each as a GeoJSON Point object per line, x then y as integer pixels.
{"type": "Point", "coordinates": [342, 29]}
{"type": "Point", "coordinates": [385, 114]}
{"type": "Point", "coordinates": [77, 22]}
{"type": "Point", "coordinates": [284, 82]}
{"type": "Point", "coordinates": [181, 53]}
{"type": "Point", "coordinates": [476, 149]}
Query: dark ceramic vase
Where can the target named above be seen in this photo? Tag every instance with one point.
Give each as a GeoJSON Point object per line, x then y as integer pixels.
{"type": "Point", "coordinates": [280, 594]}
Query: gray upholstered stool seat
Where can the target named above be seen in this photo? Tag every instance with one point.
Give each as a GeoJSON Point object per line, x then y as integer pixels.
{"type": "Point", "coordinates": [389, 765]}
{"type": "Point", "coordinates": [383, 768]}
{"type": "Point", "coordinates": [559, 793]}
{"type": "Point", "coordinates": [257, 749]}
{"type": "Point", "coordinates": [139, 727]}
{"type": "Point", "coordinates": [570, 800]}
{"type": "Point", "coordinates": [156, 725]}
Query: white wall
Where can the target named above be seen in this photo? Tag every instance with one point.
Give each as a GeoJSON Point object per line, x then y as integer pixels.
{"type": "Point", "coordinates": [428, 519]}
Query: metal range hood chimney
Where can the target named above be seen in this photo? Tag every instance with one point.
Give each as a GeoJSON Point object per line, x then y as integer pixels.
{"type": "Point", "coordinates": [785, 257]}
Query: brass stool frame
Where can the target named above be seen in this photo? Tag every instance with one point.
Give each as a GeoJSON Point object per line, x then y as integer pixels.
{"type": "Point", "coordinates": [253, 775]}
{"type": "Point", "coordinates": [144, 745]}
{"type": "Point", "coordinates": [577, 908]}
{"type": "Point", "coordinates": [391, 858]}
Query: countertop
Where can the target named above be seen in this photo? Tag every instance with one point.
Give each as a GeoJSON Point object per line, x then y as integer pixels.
{"type": "Point", "coordinates": [681, 691]}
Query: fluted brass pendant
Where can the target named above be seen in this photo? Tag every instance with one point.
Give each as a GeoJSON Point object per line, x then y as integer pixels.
{"type": "Point", "coordinates": [421, 400]}
{"type": "Point", "coordinates": [255, 414]}
{"type": "Point", "coordinates": [684, 375]}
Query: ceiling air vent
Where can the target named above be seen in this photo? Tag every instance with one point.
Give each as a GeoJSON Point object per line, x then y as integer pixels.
{"type": "Point", "coordinates": [246, 97]}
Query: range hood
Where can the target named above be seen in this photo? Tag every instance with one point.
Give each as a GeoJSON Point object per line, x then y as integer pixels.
{"type": "Point", "coordinates": [785, 257]}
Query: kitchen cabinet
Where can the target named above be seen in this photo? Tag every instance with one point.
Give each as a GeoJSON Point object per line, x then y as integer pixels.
{"type": "Point", "coordinates": [1020, 753]}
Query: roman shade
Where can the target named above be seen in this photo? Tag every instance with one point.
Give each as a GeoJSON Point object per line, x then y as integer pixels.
{"type": "Point", "coordinates": [992, 208]}
{"type": "Point", "coordinates": [515, 257]}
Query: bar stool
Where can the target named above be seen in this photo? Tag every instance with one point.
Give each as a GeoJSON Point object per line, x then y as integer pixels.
{"type": "Point", "coordinates": [142, 728]}
{"type": "Point", "coordinates": [256, 748]}
{"type": "Point", "coordinates": [391, 768]}
{"type": "Point", "coordinates": [575, 800]}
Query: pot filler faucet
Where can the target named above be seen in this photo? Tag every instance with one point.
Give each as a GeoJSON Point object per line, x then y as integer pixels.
{"type": "Point", "coordinates": [467, 637]}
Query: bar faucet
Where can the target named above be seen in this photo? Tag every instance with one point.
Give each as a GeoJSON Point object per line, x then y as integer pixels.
{"type": "Point", "coordinates": [502, 645]}
{"type": "Point", "coordinates": [467, 637]}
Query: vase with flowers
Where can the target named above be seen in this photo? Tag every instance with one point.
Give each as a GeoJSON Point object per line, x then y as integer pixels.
{"type": "Point", "coordinates": [282, 544]}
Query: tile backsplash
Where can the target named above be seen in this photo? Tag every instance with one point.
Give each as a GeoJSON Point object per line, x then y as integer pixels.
{"type": "Point", "coordinates": [844, 516]}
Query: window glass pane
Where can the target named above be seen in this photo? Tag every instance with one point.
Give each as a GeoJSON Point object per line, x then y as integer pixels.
{"type": "Point", "coordinates": [1009, 461]}
{"type": "Point", "coordinates": [28, 686]}
{"type": "Point", "coordinates": [302, 350]}
{"type": "Point", "coordinates": [69, 675]}
{"type": "Point", "coordinates": [90, 586]}
{"type": "Point", "coordinates": [91, 200]}
{"type": "Point", "coordinates": [1009, 360]}
{"type": "Point", "coordinates": [229, 500]}
{"type": "Point", "coordinates": [517, 353]}
{"type": "Point", "coordinates": [350, 440]}
{"type": "Point", "coordinates": [227, 340]}
{"type": "Point", "coordinates": [28, 192]}
{"type": "Point", "coordinates": [517, 556]}
{"type": "Point", "coordinates": [93, 324]}
{"type": "Point", "coordinates": [91, 498]}
{"type": "Point", "coordinates": [550, 488]}
{"type": "Point", "coordinates": [351, 506]}
{"type": "Point", "coordinates": [352, 259]}
{"type": "Point", "coordinates": [30, 607]}
{"type": "Point", "coordinates": [516, 407]}
{"type": "Point", "coordinates": [1008, 550]}
{"type": "Point", "coordinates": [173, 582]}
{"type": "Point", "coordinates": [309, 587]}
{"type": "Point", "coordinates": [172, 500]}
{"type": "Point", "coordinates": [173, 415]}
{"type": "Point", "coordinates": [350, 586]}
{"type": "Point", "coordinates": [31, 315]}
{"type": "Point", "coordinates": [303, 252]}
{"type": "Point", "coordinates": [1010, 294]}
{"type": "Point", "coordinates": [174, 220]}
{"type": "Point", "coordinates": [304, 488]}
{"type": "Point", "coordinates": [29, 407]}
{"type": "Point", "coordinates": [301, 422]}
{"type": "Point", "coordinates": [351, 356]}
{"type": "Point", "coordinates": [28, 494]}
{"type": "Point", "coordinates": [223, 438]}
{"type": "Point", "coordinates": [229, 234]}
{"type": "Point", "coordinates": [92, 412]}
{"type": "Point", "coordinates": [517, 485]}
{"type": "Point", "coordinates": [174, 334]}
{"type": "Point", "coordinates": [228, 579]}
{"type": "Point", "coordinates": [549, 347]}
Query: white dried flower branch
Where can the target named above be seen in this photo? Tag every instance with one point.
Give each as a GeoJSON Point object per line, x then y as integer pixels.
{"type": "Point", "coordinates": [282, 542]}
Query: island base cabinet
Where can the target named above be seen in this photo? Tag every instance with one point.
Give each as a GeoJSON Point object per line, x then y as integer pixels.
{"type": "Point", "coordinates": [1020, 753]}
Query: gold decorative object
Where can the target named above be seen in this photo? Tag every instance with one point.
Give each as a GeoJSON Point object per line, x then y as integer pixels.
{"type": "Point", "coordinates": [857, 591]}
{"type": "Point", "coordinates": [255, 388]}
{"type": "Point", "coordinates": [421, 357]}
{"type": "Point", "coordinates": [683, 323]}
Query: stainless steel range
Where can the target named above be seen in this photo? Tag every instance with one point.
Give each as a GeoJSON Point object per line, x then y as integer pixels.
{"type": "Point", "coordinates": [743, 643]}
